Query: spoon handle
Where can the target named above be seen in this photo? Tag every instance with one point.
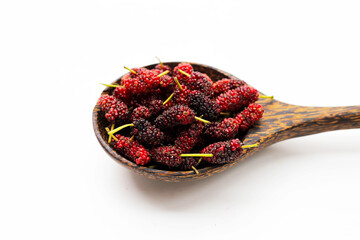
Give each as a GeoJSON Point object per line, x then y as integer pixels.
{"type": "Point", "coordinates": [282, 121]}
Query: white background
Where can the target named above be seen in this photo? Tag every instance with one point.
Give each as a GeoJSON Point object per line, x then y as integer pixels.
{"type": "Point", "coordinates": [56, 182]}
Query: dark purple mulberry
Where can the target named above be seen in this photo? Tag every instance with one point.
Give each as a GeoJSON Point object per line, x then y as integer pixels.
{"type": "Point", "coordinates": [203, 105]}
{"type": "Point", "coordinates": [224, 152]}
{"type": "Point", "coordinates": [176, 115]}
{"type": "Point", "coordinates": [147, 133]}
{"type": "Point", "coordinates": [169, 156]}
{"type": "Point", "coordinates": [226, 129]}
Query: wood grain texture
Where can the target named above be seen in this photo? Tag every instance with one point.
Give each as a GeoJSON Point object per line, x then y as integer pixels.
{"type": "Point", "coordinates": [281, 121]}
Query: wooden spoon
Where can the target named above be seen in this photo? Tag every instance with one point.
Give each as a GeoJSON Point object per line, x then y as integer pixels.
{"type": "Point", "coordinates": [281, 121]}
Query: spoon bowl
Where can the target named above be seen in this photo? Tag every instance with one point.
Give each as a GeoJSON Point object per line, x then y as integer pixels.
{"type": "Point", "coordinates": [280, 121]}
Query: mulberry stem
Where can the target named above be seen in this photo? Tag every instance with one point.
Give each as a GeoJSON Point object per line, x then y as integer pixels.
{"type": "Point", "coordinates": [202, 120]}
{"type": "Point", "coordinates": [163, 73]}
{"type": "Point", "coordinates": [119, 128]}
{"type": "Point", "coordinates": [196, 155]}
{"type": "Point", "coordinates": [250, 146]}
{"type": "Point", "coordinates": [263, 96]}
{"type": "Point", "coordinates": [111, 85]}
{"type": "Point", "coordinates": [130, 70]}
{"type": "Point", "coordinates": [177, 82]}
{"type": "Point", "coordinates": [110, 135]}
{"type": "Point", "coordinates": [185, 73]}
{"type": "Point", "coordinates": [168, 99]}
{"type": "Point", "coordinates": [161, 64]}
{"type": "Point", "coordinates": [195, 170]}
{"type": "Point", "coordinates": [224, 113]}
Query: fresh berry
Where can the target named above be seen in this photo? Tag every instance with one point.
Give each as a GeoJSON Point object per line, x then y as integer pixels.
{"type": "Point", "coordinates": [114, 109]}
{"type": "Point", "coordinates": [226, 84]}
{"type": "Point", "coordinates": [185, 67]}
{"type": "Point", "coordinates": [163, 68]}
{"type": "Point", "coordinates": [176, 115]}
{"type": "Point", "coordinates": [223, 152]}
{"type": "Point", "coordinates": [132, 149]}
{"type": "Point", "coordinates": [122, 94]}
{"type": "Point", "coordinates": [181, 96]}
{"type": "Point", "coordinates": [168, 155]}
{"type": "Point", "coordinates": [147, 133]}
{"type": "Point", "coordinates": [249, 116]}
{"type": "Point", "coordinates": [156, 107]}
{"type": "Point", "coordinates": [188, 138]}
{"type": "Point", "coordinates": [141, 112]}
{"type": "Point", "coordinates": [203, 105]}
{"type": "Point", "coordinates": [199, 81]}
{"type": "Point", "coordinates": [226, 129]}
{"type": "Point", "coordinates": [235, 99]}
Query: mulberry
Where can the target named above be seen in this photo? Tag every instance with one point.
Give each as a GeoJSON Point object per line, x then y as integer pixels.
{"type": "Point", "coordinates": [132, 149]}
{"type": "Point", "coordinates": [223, 130]}
{"type": "Point", "coordinates": [227, 84]}
{"type": "Point", "coordinates": [176, 115]}
{"type": "Point", "coordinates": [249, 116]}
{"type": "Point", "coordinates": [235, 99]}
{"type": "Point", "coordinates": [203, 105]}
{"type": "Point", "coordinates": [141, 112]}
{"type": "Point", "coordinates": [188, 138]}
{"type": "Point", "coordinates": [169, 156]}
{"type": "Point", "coordinates": [147, 133]}
{"type": "Point", "coordinates": [223, 152]}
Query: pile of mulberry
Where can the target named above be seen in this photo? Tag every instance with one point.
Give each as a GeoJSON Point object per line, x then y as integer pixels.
{"type": "Point", "coordinates": [177, 117]}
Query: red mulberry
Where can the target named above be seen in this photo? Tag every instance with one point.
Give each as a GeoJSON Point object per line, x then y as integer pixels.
{"type": "Point", "coordinates": [188, 138]}
{"type": "Point", "coordinates": [176, 115]}
{"type": "Point", "coordinates": [141, 112]}
{"type": "Point", "coordinates": [223, 130]}
{"type": "Point", "coordinates": [113, 108]}
{"type": "Point", "coordinates": [224, 152]}
{"type": "Point", "coordinates": [249, 116]}
{"type": "Point", "coordinates": [132, 149]}
{"type": "Point", "coordinates": [185, 67]}
{"type": "Point", "coordinates": [169, 156]}
{"type": "Point", "coordinates": [235, 99]}
{"type": "Point", "coordinates": [163, 68]}
{"type": "Point", "coordinates": [199, 81]}
{"type": "Point", "coordinates": [226, 84]}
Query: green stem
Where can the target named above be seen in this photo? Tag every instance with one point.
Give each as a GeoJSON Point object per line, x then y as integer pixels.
{"type": "Point", "coordinates": [119, 128]}
{"type": "Point", "coordinates": [130, 70]}
{"type": "Point", "coordinates": [111, 85]}
{"type": "Point", "coordinates": [250, 146]}
{"type": "Point", "coordinates": [168, 99]}
{"type": "Point", "coordinates": [202, 120]}
{"type": "Point", "coordinates": [177, 82]}
{"type": "Point", "coordinates": [161, 64]}
{"type": "Point", "coordinates": [163, 73]}
{"type": "Point", "coordinates": [185, 73]}
{"type": "Point", "coordinates": [263, 96]}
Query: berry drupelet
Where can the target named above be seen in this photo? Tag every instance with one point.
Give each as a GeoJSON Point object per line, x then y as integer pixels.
{"type": "Point", "coordinates": [223, 152]}
{"type": "Point", "coordinates": [249, 116]}
{"type": "Point", "coordinates": [189, 136]}
{"type": "Point", "coordinates": [203, 105]}
{"type": "Point", "coordinates": [168, 156]}
{"type": "Point", "coordinates": [176, 115]}
{"type": "Point", "coordinates": [235, 99]}
{"type": "Point", "coordinates": [181, 96]}
{"type": "Point", "coordinates": [163, 68]}
{"type": "Point", "coordinates": [132, 149]}
{"type": "Point", "coordinates": [227, 84]}
{"type": "Point", "coordinates": [122, 94]}
{"type": "Point", "coordinates": [226, 129]}
{"type": "Point", "coordinates": [147, 133]}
